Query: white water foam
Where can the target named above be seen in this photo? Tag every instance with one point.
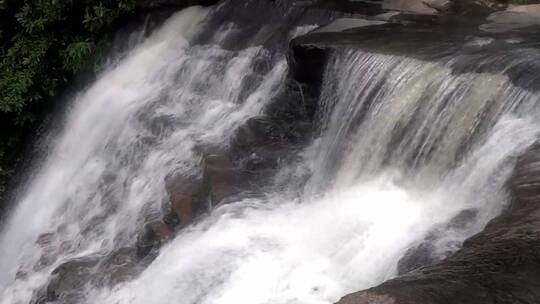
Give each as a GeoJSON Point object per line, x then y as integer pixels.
{"type": "Point", "coordinates": [139, 122]}
{"type": "Point", "coordinates": [372, 195]}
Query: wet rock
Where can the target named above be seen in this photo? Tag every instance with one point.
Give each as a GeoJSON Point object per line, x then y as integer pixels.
{"type": "Point", "coordinates": [49, 251]}
{"type": "Point", "coordinates": [294, 109]}
{"type": "Point", "coordinates": [68, 280]}
{"type": "Point", "coordinates": [161, 231]}
{"type": "Point", "coordinates": [499, 265]}
{"type": "Point", "coordinates": [263, 158]}
{"type": "Point", "coordinates": [271, 37]}
{"type": "Point", "coordinates": [462, 219]}
{"type": "Point", "coordinates": [162, 125]}
{"type": "Point", "coordinates": [152, 237]}
{"type": "Point", "coordinates": [181, 201]}
{"type": "Point", "coordinates": [259, 131]}
{"type": "Point", "coordinates": [412, 6]}
{"type": "Point", "coordinates": [513, 18]}
{"type": "Point", "coordinates": [430, 39]}
{"type": "Point", "coordinates": [45, 239]}
{"type": "Point", "coordinates": [419, 256]}
{"type": "Point", "coordinates": [221, 177]}
{"type": "Point", "coordinates": [119, 266]}
{"type": "Point", "coordinates": [343, 24]}
{"type": "Point", "coordinates": [427, 253]}
{"type": "Point", "coordinates": [307, 61]}
{"type": "Point", "coordinates": [188, 196]}
{"type": "Point", "coordinates": [439, 5]}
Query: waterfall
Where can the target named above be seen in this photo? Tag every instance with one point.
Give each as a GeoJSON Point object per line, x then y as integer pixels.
{"type": "Point", "coordinates": [405, 148]}
{"type": "Point", "coordinates": [124, 134]}
{"type": "Point", "coordinates": [447, 137]}
{"type": "Point", "coordinates": [402, 148]}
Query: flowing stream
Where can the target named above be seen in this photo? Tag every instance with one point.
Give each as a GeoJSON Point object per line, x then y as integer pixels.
{"type": "Point", "coordinates": [402, 148]}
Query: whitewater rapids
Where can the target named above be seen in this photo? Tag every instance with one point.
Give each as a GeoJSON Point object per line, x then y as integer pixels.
{"type": "Point", "coordinates": [403, 147]}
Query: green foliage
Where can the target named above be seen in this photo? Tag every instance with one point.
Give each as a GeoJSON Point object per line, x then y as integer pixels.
{"type": "Point", "coordinates": [76, 53]}
{"type": "Point", "coordinates": [49, 41]}
{"type": "Point", "coordinates": [43, 43]}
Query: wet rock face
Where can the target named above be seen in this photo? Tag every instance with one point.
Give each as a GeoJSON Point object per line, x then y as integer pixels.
{"type": "Point", "coordinates": [427, 253]}
{"type": "Point", "coordinates": [221, 176]}
{"type": "Point", "coordinates": [152, 237]}
{"type": "Point", "coordinates": [187, 199]}
{"type": "Point", "coordinates": [68, 281]}
{"type": "Point", "coordinates": [119, 266]}
{"type": "Point", "coordinates": [499, 265]}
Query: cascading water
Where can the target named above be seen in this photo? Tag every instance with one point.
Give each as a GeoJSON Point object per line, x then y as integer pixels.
{"type": "Point", "coordinates": [448, 138]}
{"type": "Point", "coordinates": [385, 187]}
{"type": "Point", "coordinates": [137, 123]}
{"type": "Point", "coordinates": [404, 147]}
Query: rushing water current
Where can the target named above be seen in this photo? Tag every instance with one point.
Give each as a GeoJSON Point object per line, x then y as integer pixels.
{"type": "Point", "coordinates": [402, 147]}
